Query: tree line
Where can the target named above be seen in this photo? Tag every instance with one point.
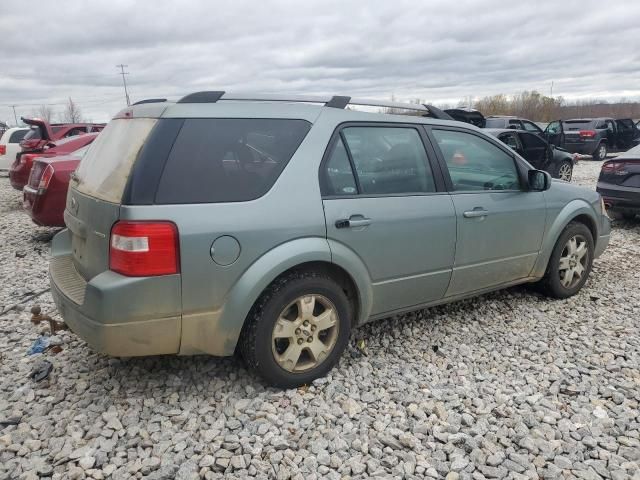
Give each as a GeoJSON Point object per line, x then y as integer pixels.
{"type": "Point", "coordinates": [541, 108]}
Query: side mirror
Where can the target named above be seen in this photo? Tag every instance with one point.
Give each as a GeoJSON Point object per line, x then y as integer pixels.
{"type": "Point", "coordinates": [539, 180]}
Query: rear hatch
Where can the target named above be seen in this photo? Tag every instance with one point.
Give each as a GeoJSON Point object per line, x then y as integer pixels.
{"type": "Point", "coordinates": [39, 134]}
{"type": "Point", "coordinates": [96, 188]}
{"type": "Point", "coordinates": [578, 131]}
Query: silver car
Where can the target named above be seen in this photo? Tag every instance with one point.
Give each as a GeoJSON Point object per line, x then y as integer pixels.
{"type": "Point", "coordinates": [275, 226]}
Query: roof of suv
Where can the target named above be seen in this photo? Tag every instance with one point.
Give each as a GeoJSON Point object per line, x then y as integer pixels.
{"type": "Point", "coordinates": [214, 104]}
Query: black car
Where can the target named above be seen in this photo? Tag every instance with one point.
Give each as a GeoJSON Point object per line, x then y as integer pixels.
{"type": "Point", "coordinates": [516, 123]}
{"type": "Point", "coordinates": [535, 150]}
{"type": "Point", "coordinates": [593, 136]}
{"type": "Point", "coordinates": [467, 115]}
{"type": "Point", "coordinates": [619, 184]}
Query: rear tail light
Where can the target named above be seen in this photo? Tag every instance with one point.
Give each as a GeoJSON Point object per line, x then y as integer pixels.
{"type": "Point", "coordinates": [144, 249]}
{"type": "Point", "coordinates": [3, 149]}
{"type": "Point", "coordinates": [46, 177]}
{"type": "Point", "coordinates": [587, 133]}
{"type": "Point", "coordinates": [616, 168]}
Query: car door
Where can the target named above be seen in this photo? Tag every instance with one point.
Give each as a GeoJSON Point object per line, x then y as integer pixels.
{"type": "Point", "coordinates": [554, 133]}
{"type": "Point", "coordinates": [500, 223]}
{"type": "Point", "coordinates": [512, 140]}
{"type": "Point", "coordinates": [384, 201]}
{"type": "Point", "coordinates": [626, 133]}
{"type": "Point", "coordinates": [536, 150]}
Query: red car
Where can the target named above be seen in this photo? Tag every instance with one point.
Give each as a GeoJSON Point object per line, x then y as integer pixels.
{"type": "Point", "coordinates": [44, 196]}
{"type": "Point", "coordinates": [42, 132]}
{"type": "Point", "coordinates": [21, 167]}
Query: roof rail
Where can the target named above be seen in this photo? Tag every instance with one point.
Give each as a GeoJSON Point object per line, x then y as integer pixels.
{"type": "Point", "coordinates": [334, 101]}
{"type": "Point", "coordinates": [150, 100]}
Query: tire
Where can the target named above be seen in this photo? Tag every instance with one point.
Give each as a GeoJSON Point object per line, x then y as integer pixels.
{"type": "Point", "coordinates": [281, 304]}
{"type": "Point", "coordinates": [565, 170]}
{"type": "Point", "coordinates": [555, 283]}
{"type": "Point", "coordinates": [600, 152]}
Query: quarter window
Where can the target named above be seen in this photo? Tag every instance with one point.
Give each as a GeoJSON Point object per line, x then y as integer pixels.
{"type": "Point", "coordinates": [228, 159]}
{"type": "Point", "coordinates": [338, 174]}
{"type": "Point", "coordinates": [475, 163]}
{"type": "Point", "coordinates": [389, 160]}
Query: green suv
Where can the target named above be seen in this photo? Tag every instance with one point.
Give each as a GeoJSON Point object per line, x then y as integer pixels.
{"type": "Point", "coordinates": [275, 226]}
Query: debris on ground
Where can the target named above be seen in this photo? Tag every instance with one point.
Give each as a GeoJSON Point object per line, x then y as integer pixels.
{"type": "Point", "coordinates": [39, 345]}
{"type": "Point", "coordinates": [41, 370]}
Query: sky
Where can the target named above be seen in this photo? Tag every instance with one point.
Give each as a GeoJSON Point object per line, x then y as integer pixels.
{"type": "Point", "coordinates": [438, 51]}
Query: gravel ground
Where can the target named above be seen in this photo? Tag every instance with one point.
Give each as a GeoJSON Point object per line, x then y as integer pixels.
{"type": "Point", "coordinates": [508, 385]}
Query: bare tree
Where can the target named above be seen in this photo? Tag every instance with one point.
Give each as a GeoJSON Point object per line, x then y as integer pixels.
{"type": "Point", "coordinates": [45, 112]}
{"type": "Point", "coordinates": [72, 113]}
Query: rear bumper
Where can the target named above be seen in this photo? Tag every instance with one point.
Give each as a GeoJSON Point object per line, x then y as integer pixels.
{"type": "Point", "coordinates": [583, 148]}
{"type": "Point", "coordinates": [116, 315]}
{"type": "Point", "coordinates": [18, 177]}
{"type": "Point", "coordinates": [619, 197]}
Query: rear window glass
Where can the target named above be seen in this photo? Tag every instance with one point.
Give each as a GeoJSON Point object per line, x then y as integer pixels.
{"type": "Point", "coordinates": [577, 124]}
{"type": "Point", "coordinates": [17, 136]}
{"type": "Point", "coordinates": [104, 170]}
{"type": "Point", "coordinates": [495, 123]}
{"type": "Point", "coordinates": [228, 160]}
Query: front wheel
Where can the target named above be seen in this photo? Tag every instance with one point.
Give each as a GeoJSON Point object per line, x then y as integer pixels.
{"type": "Point", "coordinates": [601, 152]}
{"type": "Point", "coordinates": [297, 330]}
{"type": "Point", "coordinates": [565, 171]}
{"type": "Point", "coordinates": [570, 262]}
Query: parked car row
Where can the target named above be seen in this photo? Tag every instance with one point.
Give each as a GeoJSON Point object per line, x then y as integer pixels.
{"type": "Point", "coordinates": [584, 136]}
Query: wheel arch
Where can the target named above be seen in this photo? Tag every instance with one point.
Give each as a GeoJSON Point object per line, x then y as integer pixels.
{"type": "Point", "coordinates": [575, 211]}
{"type": "Point", "coordinates": [217, 333]}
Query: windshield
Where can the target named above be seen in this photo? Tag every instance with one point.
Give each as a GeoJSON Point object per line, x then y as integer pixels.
{"type": "Point", "coordinates": [104, 171]}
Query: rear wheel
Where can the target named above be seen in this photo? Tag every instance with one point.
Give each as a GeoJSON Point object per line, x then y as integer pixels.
{"type": "Point", "coordinates": [601, 152]}
{"type": "Point", "coordinates": [297, 330]}
{"type": "Point", "coordinates": [565, 171]}
{"type": "Point", "coordinates": [570, 262]}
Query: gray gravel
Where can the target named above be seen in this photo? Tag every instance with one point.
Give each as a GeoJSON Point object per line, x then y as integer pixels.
{"type": "Point", "coordinates": [509, 385]}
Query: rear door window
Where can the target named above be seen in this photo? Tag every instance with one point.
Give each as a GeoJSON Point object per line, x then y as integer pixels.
{"type": "Point", "coordinates": [228, 159]}
{"type": "Point", "coordinates": [389, 160]}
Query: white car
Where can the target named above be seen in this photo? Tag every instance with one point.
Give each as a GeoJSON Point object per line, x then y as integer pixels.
{"type": "Point", "coordinates": [10, 146]}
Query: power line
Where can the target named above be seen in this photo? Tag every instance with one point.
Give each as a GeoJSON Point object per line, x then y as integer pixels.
{"type": "Point", "coordinates": [14, 114]}
{"type": "Point", "coordinates": [124, 82]}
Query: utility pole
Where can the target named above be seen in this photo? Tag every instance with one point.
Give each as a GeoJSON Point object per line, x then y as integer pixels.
{"type": "Point", "coordinates": [551, 95]}
{"type": "Point", "coordinates": [124, 82]}
{"type": "Point", "coordinates": [14, 114]}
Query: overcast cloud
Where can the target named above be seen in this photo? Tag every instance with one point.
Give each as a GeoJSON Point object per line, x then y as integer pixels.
{"type": "Point", "coordinates": [440, 51]}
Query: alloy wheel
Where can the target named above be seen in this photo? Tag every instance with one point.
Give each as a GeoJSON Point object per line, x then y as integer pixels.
{"type": "Point", "coordinates": [305, 333]}
{"type": "Point", "coordinates": [565, 171]}
{"type": "Point", "coordinates": [573, 261]}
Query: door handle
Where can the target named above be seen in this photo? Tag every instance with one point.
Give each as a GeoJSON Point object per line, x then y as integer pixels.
{"type": "Point", "coordinates": [476, 212]}
{"type": "Point", "coordinates": [353, 222]}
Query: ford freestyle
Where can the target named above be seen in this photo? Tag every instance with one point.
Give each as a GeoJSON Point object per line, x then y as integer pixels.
{"type": "Point", "coordinates": [274, 226]}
